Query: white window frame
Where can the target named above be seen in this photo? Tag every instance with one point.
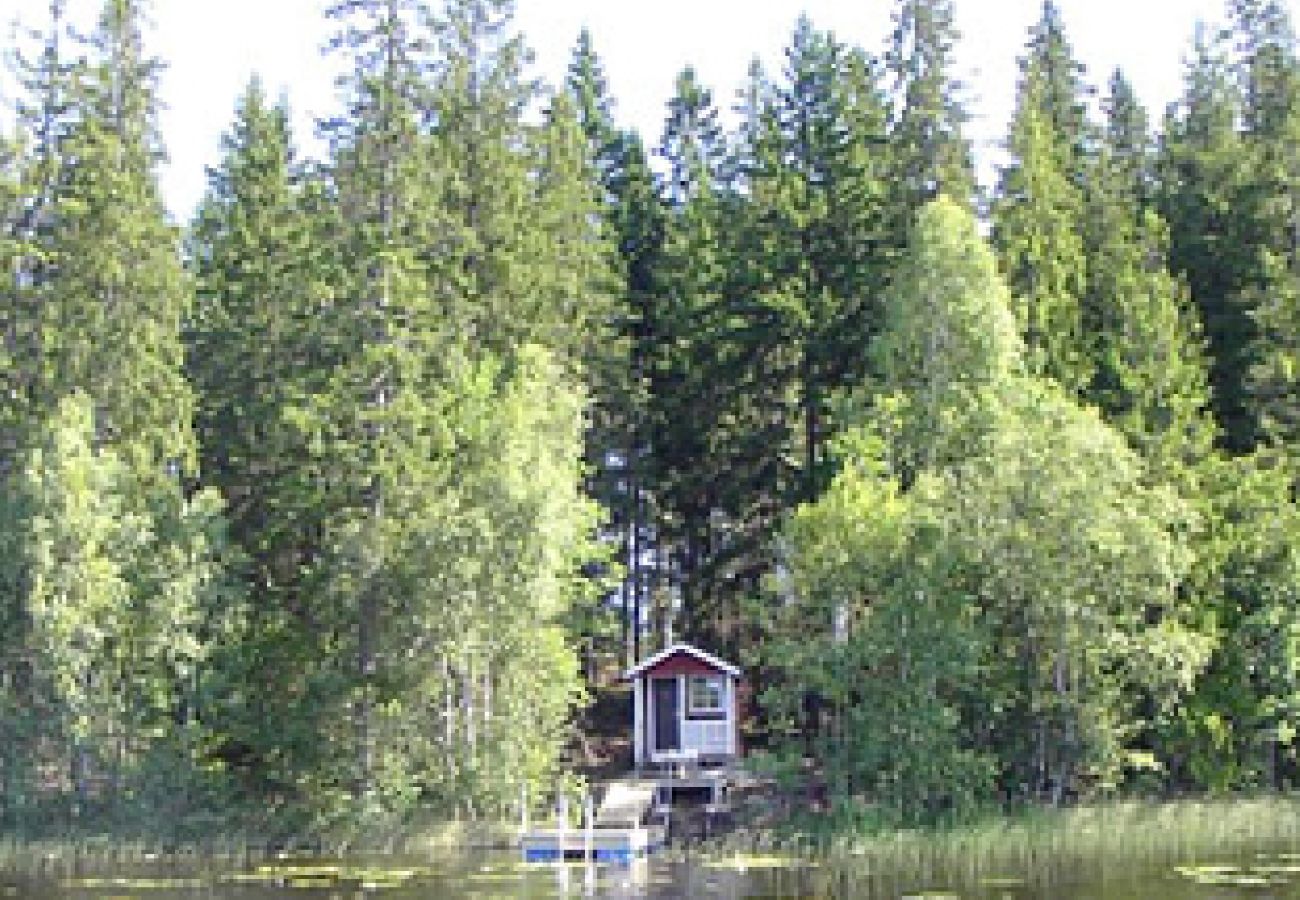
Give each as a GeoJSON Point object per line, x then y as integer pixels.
{"type": "Point", "coordinates": [720, 710]}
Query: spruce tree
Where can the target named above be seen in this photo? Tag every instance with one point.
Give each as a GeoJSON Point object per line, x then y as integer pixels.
{"type": "Point", "coordinates": [371, 413]}
{"type": "Point", "coordinates": [469, 259]}
{"type": "Point", "coordinates": [931, 155]}
{"type": "Point", "coordinates": [504, 289]}
{"type": "Point", "coordinates": [800, 240]}
{"type": "Point", "coordinates": [1269, 73]}
{"type": "Point", "coordinates": [1275, 375]}
{"type": "Point", "coordinates": [1264, 44]}
{"type": "Point", "coordinates": [832, 121]}
{"type": "Point", "coordinates": [248, 246]}
{"type": "Point", "coordinates": [1150, 376]}
{"type": "Point", "coordinates": [113, 303]}
{"type": "Point", "coordinates": [253, 354]}
{"type": "Point", "coordinates": [1063, 91]}
{"type": "Point", "coordinates": [585, 83]}
{"type": "Point", "coordinates": [817, 255]}
{"type": "Point", "coordinates": [18, 346]}
{"type": "Point", "coordinates": [1126, 139]}
{"type": "Point", "coordinates": [638, 220]}
{"type": "Point", "coordinates": [685, 394]}
{"type": "Point", "coordinates": [693, 145]}
{"type": "Point", "coordinates": [45, 113]}
{"type": "Point", "coordinates": [1040, 201]}
{"type": "Point", "coordinates": [1203, 166]}
{"type": "Point", "coordinates": [632, 219]}
{"type": "Point", "coordinates": [1035, 223]}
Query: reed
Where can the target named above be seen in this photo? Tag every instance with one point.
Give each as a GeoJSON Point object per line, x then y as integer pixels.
{"type": "Point", "coordinates": [1039, 847]}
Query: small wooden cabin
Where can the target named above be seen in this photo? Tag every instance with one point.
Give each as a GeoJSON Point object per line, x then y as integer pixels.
{"type": "Point", "coordinates": [684, 707]}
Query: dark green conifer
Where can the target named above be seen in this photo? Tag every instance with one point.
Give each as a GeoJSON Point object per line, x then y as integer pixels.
{"type": "Point", "coordinates": [1204, 165]}
{"type": "Point", "coordinates": [931, 153]}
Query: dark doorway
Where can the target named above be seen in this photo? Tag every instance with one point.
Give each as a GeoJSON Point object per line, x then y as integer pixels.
{"type": "Point", "coordinates": [667, 728]}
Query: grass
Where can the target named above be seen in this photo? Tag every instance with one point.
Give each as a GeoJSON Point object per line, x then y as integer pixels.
{"type": "Point", "coordinates": [1038, 847]}
{"type": "Point", "coordinates": [27, 854]}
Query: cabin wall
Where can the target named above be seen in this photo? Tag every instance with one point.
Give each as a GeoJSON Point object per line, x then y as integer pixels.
{"type": "Point", "coordinates": [712, 737]}
{"type": "Point", "coordinates": [639, 726]}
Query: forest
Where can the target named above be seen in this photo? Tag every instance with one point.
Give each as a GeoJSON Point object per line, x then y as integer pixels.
{"type": "Point", "coordinates": [327, 507]}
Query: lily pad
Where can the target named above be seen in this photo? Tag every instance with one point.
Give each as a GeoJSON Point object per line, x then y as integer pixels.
{"type": "Point", "coordinates": [1229, 876]}
{"type": "Point", "coordinates": [745, 863]}
{"type": "Point", "coordinates": [132, 884]}
{"type": "Point", "coordinates": [312, 883]}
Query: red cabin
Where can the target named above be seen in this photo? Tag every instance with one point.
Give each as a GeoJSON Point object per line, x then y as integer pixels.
{"type": "Point", "coordinates": [684, 707]}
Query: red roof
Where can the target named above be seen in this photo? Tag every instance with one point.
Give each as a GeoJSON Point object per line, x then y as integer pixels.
{"type": "Point", "coordinates": [682, 656]}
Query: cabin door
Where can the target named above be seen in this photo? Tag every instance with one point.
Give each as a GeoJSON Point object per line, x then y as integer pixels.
{"type": "Point", "coordinates": [668, 734]}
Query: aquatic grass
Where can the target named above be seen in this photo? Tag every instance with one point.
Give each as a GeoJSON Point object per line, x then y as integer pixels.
{"type": "Point", "coordinates": [101, 848]}
{"type": "Point", "coordinates": [1035, 847]}
{"type": "Point", "coordinates": [18, 853]}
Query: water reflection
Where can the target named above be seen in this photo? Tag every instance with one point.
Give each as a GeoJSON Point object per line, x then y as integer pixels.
{"type": "Point", "coordinates": [614, 881]}
{"type": "Point", "coordinates": [1266, 872]}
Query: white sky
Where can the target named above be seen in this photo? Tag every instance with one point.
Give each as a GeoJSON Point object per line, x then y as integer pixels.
{"type": "Point", "coordinates": [213, 47]}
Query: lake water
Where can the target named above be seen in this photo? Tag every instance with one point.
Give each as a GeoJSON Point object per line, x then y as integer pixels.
{"type": "Point", "coordinates": [1267, 873]}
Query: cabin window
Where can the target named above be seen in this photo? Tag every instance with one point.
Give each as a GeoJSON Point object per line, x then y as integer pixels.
{"type": "Point", "coordinates": [704, 697]}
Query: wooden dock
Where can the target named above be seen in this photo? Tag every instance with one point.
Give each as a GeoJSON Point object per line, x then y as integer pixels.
{"type": "Point", "coordinates": [619, 831]}
{"type": "Point", "coordinates": [608, 845]}
{"type": "Point", "coordinates": [670, 780]}
{"type": "Point", "coordinates": [632, 820]}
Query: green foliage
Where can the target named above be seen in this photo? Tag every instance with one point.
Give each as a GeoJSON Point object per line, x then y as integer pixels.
{"type": "Point", "coordinates": [1275, 378]}
{"type": "Point", "coordinates": [772, 281]}
{"type": "Point", "coordinates": [254, 355]}
{"type": "Point", "coordinates": [1126, 144]}
{"type": "Point", "coordinates": [1038, 569]}
{"type": "Point", "coordinates": [1239, 726]}
{"type": "Point", "coordinates": [121, 600]}
{"type": "Point", "coordinates": [684, 411]}
{"type": "Point", "coordinates": [895, 651]}
{"type": "Point", "coordinates": [111, 292]}
{"type": "Point", "coordinates": [1151, 377]}
{"type": "Point", "coordinates": [588, 88]}
{"type": "Point", "coordinates": [933, 157]}
{"type": "Point", "coordinates": [1080, 604]}
{"type": "Point", "coordinates": [118, 594]}
{"type": "Point", "coordinates": [950, 345]}
{"type": "Point", "coordinates": [1057, 78]}
{"type": "Point", "coordinates": [1270, 70]}
{"type": "Point", "coordinates": [1036, 217]}
{"type": "Point", "coordinates": [1206, 166]}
